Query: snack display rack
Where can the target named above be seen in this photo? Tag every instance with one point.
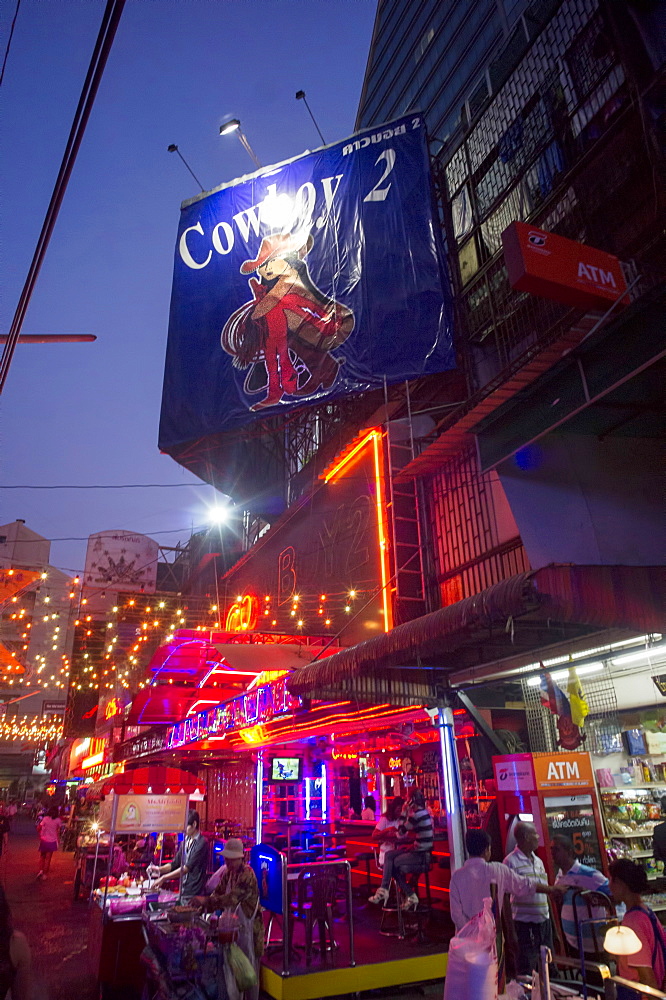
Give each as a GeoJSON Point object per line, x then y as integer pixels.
{"type": "Point", "coordinates": [630, 815]}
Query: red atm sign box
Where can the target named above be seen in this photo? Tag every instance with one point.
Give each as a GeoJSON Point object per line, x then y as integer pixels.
{"type": "Point", "coordinates": [557, 268]}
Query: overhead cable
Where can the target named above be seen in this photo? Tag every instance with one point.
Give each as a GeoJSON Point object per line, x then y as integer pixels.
{"type": "Point", "coordinates": [9, 42]}
{"type": "Point", "coordinates": [112, 13]}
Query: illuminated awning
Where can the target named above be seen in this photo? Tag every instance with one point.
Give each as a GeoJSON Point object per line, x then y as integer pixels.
{"type": "Point", "coordinates": [151, 780]}
{"type": "Point", "coordinates": [520, 614]}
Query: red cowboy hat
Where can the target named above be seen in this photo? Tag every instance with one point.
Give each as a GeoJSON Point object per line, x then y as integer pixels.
{"type": "Point", "coordinates": [278, 246]}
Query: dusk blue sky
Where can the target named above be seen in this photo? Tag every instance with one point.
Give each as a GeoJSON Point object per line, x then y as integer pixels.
{"type": "Point", "coordinates": [88, 413]}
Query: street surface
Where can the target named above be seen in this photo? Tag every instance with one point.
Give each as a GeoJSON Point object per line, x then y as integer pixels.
{"type": "Point", "coordinates": [56, 926]}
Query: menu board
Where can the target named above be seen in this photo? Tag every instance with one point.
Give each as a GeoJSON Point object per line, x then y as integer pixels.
{"type": "Point", "coordinates": [573, 816]}
{"type": "Point", "coordinates": [144, 813]}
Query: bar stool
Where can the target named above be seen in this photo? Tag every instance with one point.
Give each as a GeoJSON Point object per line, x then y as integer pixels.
{"type": "Point", "coordinates": [412, 879]}
{"type": "Point", "coordinates": [303, 857]}
{"type": "Point", "coordinates": [392, 906]}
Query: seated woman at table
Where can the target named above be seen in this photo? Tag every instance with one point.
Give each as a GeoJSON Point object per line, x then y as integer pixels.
{"type": "Point", "coordinates": [237, 887]}
{"type": "Point", "coordinates": [386, 831]}
{"type": "Point", "coordinates": [415, 837]}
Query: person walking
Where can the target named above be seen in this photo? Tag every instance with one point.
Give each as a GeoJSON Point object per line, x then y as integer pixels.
{"type": "Point", "coordinates": [628, 881]}
{"type": "Point", "coordinates": [48, 829]}
{"type": "Point", "coordinates": [531, 915]}
{"type": "Point", "coordinates": [470, 885]}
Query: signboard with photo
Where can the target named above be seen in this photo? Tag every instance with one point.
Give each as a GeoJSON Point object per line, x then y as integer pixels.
{"type": "Point", "coordinates": [573, 816]}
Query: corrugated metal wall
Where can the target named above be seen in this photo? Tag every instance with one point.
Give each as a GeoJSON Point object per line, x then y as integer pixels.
{"type": "Point", "coordinates": [231, 793]}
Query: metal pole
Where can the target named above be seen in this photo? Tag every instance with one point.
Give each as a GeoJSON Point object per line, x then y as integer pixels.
{"type": "Point", "coordinates": [112, 837]}
{"type": "Point", "coordinates": [92, 887]}
{"type": "Point", "coordinates": [545, 958]}
{"type": "Point", "coordinates": [183, 856]}
{"type": "Point", "coordinates": [259, 798]}
{"type": "Point", "coordinates": [455, 813]}
{"type": "Point", "coordinates": [352, 957]}
{"type": "Point", "coordinates": [286, 937]}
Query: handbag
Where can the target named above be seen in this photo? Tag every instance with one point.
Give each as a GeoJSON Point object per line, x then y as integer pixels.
{"type": "Point", "coordinates": [658, 940]}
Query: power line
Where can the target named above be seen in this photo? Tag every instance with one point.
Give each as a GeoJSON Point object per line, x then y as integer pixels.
{"type": "Point", "coordinates": [112, 13]}
{"type": "Point", "coordinates": [123, 486]}
{"type": "Point", "coordinates": [84, 538]}
{"type": "Point", "coordinates": [9, 42]}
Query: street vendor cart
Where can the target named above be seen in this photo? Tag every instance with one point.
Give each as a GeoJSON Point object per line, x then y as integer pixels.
{"type": "Point", "coordinates": [144, 801]}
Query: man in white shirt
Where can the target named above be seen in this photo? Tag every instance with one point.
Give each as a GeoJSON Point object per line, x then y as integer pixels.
{"type": "Point", "coordinates": [531, 915]}
{"type": "Point", "coordinates": [470, 885]}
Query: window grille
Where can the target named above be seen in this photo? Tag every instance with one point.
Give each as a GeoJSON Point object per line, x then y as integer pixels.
{"type": "Point", "coordinates": [602, 726]}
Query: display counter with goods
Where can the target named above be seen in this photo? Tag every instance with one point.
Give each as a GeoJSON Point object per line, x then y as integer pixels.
{"type": "Point", "coordinates": [149, 802]}
{"type": "Point", "coordinates": [631, 788]}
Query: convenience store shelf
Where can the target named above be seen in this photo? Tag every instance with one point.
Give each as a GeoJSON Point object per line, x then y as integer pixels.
{"type": "Point", "coordinates": [631, 836]}
{"type": "Point", "coordinates": [642, 854]}
{"type": "Point", "coordinates": [631, 788]}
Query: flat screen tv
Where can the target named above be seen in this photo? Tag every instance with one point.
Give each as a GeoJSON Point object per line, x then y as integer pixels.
{"type": "Point", "coordinates": [286, 769]}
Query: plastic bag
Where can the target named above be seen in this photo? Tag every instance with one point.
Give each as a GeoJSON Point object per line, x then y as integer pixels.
{"type": "Point", "coordinates": [471, 969]}
{"type": "Point", "coordinates": [242, 968]}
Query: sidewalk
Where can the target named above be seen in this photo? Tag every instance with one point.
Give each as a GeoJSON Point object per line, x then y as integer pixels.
{"type": "Point", "coordinates": [56, 926]}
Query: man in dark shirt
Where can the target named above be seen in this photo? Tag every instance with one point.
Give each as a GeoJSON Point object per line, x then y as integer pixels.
{"type": "Point", "coordinates": [191, 860]}
{"type": "Point", "coordinates": [659, 835]}
{"type": "Point", "coordinates": [4, 830]}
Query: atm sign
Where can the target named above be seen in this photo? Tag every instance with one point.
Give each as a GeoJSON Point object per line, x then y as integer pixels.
{"type": "Point", "coordinates": [568, 770]}
{"type": "Point", "coordinates": [558, 268]}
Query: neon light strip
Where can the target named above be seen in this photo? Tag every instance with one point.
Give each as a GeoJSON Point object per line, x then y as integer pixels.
{"type": "Point", "coordinates": [259, 796]}
{"type": "Point", "coordinates": [381, 530]}
{"type": "Point", "coordinates": [83, 746]}
{"type": "Point", "coordinates": [374, 436]}
{"type": "Point", "coordinates": [328, 476]}
{"type": "Point", "coordinates": [92, 761]}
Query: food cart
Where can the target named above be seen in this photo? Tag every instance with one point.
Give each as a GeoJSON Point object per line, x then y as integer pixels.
{"type": "Point", "coordinates": [144, 801]}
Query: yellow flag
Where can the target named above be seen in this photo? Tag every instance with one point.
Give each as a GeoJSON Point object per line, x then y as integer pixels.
{"type": "Point", "coordinates": [579, 707]}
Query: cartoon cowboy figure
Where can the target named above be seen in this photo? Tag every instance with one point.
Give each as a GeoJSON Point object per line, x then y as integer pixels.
{"type": "Point", "coordinates": [289, 324]}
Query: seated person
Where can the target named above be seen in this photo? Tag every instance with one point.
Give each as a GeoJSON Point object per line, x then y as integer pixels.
{"type": "Point", "coordinates": [412, 854]}
{"type": "Point", "coordinates": [345, 809]}
{"type": "Point", "coordinates": [369, 809]}
{"type": "Point", "coordinates": [386, 831]}
{"type": "Point", "coordinates": [572, 875]}
{"type": "Point", "coordinates": [119, 860]}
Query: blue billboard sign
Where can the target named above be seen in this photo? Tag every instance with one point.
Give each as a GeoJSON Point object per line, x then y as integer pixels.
{"type": "Point", "coordinates": [308, 280]}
